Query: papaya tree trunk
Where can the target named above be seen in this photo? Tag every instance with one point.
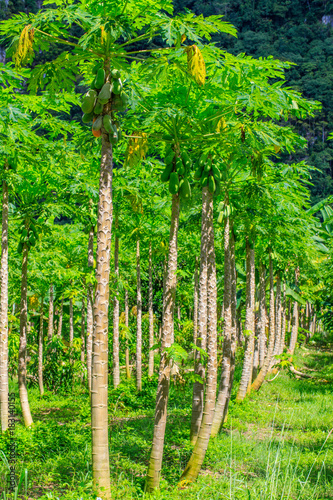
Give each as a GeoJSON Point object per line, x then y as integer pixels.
{"type": "Point", "coordinates": [151, 316]}
{"type": "Point", "coordinates": [262, 314]}
{"type": "Point", "coordinates": [278, 318]}
{"type": "Point", "coordinates": [40, 347]}
{"type": "Point", "coordinates": [71, 321]}
{"type": "Point", "coordinates": [83, 340]}
{"type": "Point", "coordinates": [194, 465]}
{"type": "Point", "coordinates": [284, 319]}
{"type": "Point", "coordinates": [198, 387]}
{"type": "Point", "coordinates": [195, 303]}
{"type": "Point", "coordinates": [50, 321]}
{"type": "Point", "coordinates": [127, 357]}
{"type": "Point", "coordinates": [115, 343]}
{"type": "Point", "coordinates": [138, 320]}
{"type": "Point", "coordinates": [246, 378]}
{"type": "Point", "coordinates": [156, 454]}
{"type": "Point", "coordinates": [4, 311]}
{"type": "Point", "coordinates": [99, 384]}
{"type": "Point", "coordinates": [295, 320]}
{"type": "Point", "coordinates": [61, 312]}
{"type": "Point", "coordinates": [90, 302]}
{"type": "Point", "coordinates": [22, 354]}
{"type": "Point", "coordinates": [271, 341]}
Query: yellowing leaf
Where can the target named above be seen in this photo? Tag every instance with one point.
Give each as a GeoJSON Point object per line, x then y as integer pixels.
{"type": "Point", "coordinates": [183, 38]}
{"type": "Point", "coordinates": [221, 125]}
{"type": "Point", "coordinates": [196, 64]}
{"type": "Point", "coordinates": [137, 148]}
{"type": "Point", "coordinates": [103, 36]}
{"type": "Point", "coordinates": [24, 49]}
{"type": "Point", "coordinates": [276, 148]}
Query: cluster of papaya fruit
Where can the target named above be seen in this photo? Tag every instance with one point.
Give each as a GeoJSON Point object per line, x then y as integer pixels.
{"type": "Point", "coordinates": [175, 172]}
{"type": "Point", "coordinates": [28, 236]}
{"type": "Point", "coordinates": [209, 173]}
{"type": "Point", "coordinates": [101, 93]}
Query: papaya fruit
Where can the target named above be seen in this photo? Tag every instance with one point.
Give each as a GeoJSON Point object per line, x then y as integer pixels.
{"type": "Point", "coordinates": [98, 107]}
{"type": "Point", "coordinates": [180, 167]}
{"type": "Point", "coordinates": [24, 233]}
{"type": "Point", "coordinates": [204, 180]}
{"type": "Point", "coordinates": [165, 176]}
{"type": "Point", "coordinates": [96, 133]}
{"type": "Point", "coordinates": [87, 117]}
{"type": "Point", "coordinates": [20, 247]}
{"type": "Point", "coordinates": [169, 157]}
{"type": "Point", "coordinates": [34, 230]}
{"type": "Point", "coordinates": [118, 104]}
{"type": "Point", "coordinates": [198, 173]}
{"type": "Point", "coordinates": [115, 73]}
{"type": "Point", "coordinates": [203, 159]}
{"type": "Point", "coordinates": [208, 166]}
{"type": "Point", "coordinates": [97, 123]}
{"type": "Point", "coordinates": [105, 92]}
{"type": "Point", "coordinates": [216, 172]}
{"type": "Point", "coordinates": [32, 240]}
{"type": "Point", "coordinates": [185, 189]}
{"type": "Point", "coordinates": [186, 160]}
{"type": "Point", "coordinates": [120, 134]}
{"type": "Point", "coordinates": [100, 78]}
{"type": "Point", "coordinates": [218, 187]}
{"type": "Point", "coordinates": [211, 184]}
{"type": "Point", "coordinates": [96, 67]}
{"type": "Point", "coordinates": [117, 86]}
{"type": "Point", "coordinates": [107, 123]}
{"type": "Point", "coordinates": [89, 101]}
{"type": "Point", "coordinates": [113, 138]}
{"type": "Point", "coordinates": [174, 183]}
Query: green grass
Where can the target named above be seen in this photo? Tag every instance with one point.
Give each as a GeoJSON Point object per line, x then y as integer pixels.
{"type": "Point", "coordinates": [271, 448]}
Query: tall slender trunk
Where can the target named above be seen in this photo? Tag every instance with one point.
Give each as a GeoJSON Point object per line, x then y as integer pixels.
{"type": "Point", "coordinates": [262, 314]}
{"type": "Point", "coordinates": [194, 465]}
{"type": "Point", "coordinates": [138, 320]}
{"type": "Point", "coordinates": [22, 354]}
{"type": "Point", "coordinates": [278, 317]}
{"type": "Point", "coordinates": [195, 303]}
{"type": "Point", "coordinates": [198, 387]}
{"type": "Point", "coordinates": [246, 378]}
{"type": "Point", "coordinates": [115, 343]}
{"type": "Point", "coordinates": [289, 316]}
{"type": "Point", "coordinates": [295, 320]}
{"type": "Point", "coordinates": [151, 316]}
{"type": "Point", "coordinates": [284, 319]}
{"type": "Point", "coordinates": [227, 334]}
{"type": "Point", "coordinates": [99, 385]}
{"type": "Point", "coordinates": [71, 321]}
{"type": "Point", "coordinates": [162, 396]}
{"type": "Point", "coordinates": [51, 308]}
{"type": "Point", "coordinates": [40, 347]}
{"type": "Point", "coordinates": [90, 302]}
{"type": "Point", "coordinates": [83, 340]}
{"type": "Point", "coordinates": [4, 311]}
{"type": "Point", "coordinates": [61, 312]}
{"type": "Point", "coordinates": [127, 358]}
{"type": "Point", "coordinates": [271, 341]}
{"type": "Point", "coordinates": [255, 364]}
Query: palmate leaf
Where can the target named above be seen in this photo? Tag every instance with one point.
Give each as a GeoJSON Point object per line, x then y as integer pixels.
{"type": "Point", "coordinates": [296, 296]}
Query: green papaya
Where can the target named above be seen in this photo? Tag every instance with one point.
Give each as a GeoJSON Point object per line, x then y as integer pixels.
{"type": "Point", "coordinates": [218, 187]}
{"type": "Point", "coordinates": [34, 230]}
{"type": "Point", "coordinates": [174, 183]}
{"type": "Point", "coordinates": [165, 176]}
{"type": "Point", "coordinates": [105, 92]}
{"type": "Point", "coordinates": [124, 99]}
{"type": "Point", "coordinates": [118, 104]}
{"type": "Point", "coordinates": [115, 73]}
{"type": "Point", "coordinates": [89, 101]}
{"type": "Point", "coordinates": [98, 123]}
{"type": "Point", "coordinates": [186, 160]}
{"type": "Point", "coordinates": [113, 137]}
{"type": "Point", "coordinates": [180, 167]}
{"type": "Point", "coordinates": [32, 240]}
{"type": "Point", "coordinates": [169, 157]}
{"type": "Point", "coordinates": [216, 172]}
{"type": "Point", "coordinates": [208, 166]}
{"type": "Point", "coordinates": [107, 123]}
{"type": "Point", "coordinates": [198, 173]}
{"type": "Point", "coordinates": [204, 180]}
{"type": "Point", "coordinates": [203, 159]}
{"type": "Point", "coordinates": [97, 66]}
{"type": "Point", "coordinates": [211, 184]}
{"type": "Point", "coordinates": [87, 117]}
{"type": "Point", "coordinates": [120, 134]}
{"type": "Point", "coordinates": [117, 86]}
{"type": "Point", "coordinates": [20, 247]}
{"type": "Point", "coordinates": [98, 108]}
{"type": "Point", "coordinates": [185, 190]}
{"type": "Point", "coordinates": [24, 233]}
{"type": "Point", "coordinates": [100, 78]}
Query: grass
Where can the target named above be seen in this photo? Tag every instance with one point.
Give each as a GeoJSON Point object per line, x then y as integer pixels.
{"type": "Point", "coordinates": [275, 445]}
